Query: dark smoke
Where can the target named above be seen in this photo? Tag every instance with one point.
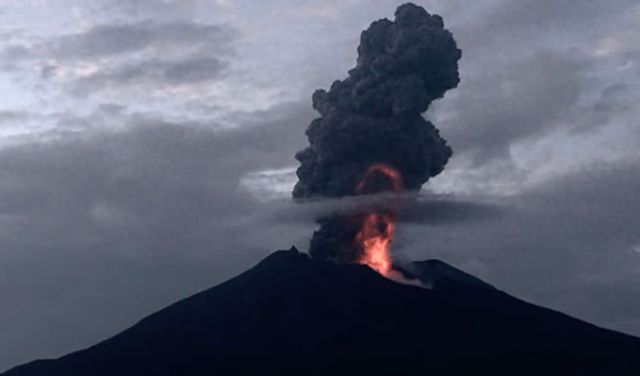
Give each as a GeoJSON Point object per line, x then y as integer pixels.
{"type": "Point", "coordinates": [374, 116]}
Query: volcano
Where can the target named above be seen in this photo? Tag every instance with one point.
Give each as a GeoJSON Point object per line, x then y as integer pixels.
{"type": "Point", "coordinates": [291, 314]}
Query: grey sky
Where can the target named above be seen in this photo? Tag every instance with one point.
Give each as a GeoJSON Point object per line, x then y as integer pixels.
{"type": "Point", "coordinates": [146, 152]}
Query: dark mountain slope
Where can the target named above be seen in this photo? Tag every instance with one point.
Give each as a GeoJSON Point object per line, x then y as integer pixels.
{"type": "Point", "coordinates": [294, 315]}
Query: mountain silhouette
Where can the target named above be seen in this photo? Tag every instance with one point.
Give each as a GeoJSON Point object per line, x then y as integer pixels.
{"type": "Point", "coordinates": [292, 315]}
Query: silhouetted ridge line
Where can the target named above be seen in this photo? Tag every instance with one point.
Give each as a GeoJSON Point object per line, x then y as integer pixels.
{"type": "Point", "coordinates": [294, 315]}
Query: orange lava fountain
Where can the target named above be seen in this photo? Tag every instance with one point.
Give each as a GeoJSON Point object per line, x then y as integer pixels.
{"type": "Point", "coordinates": [378, 227]}
{"type": "Point", "coordinates": [375, 238]}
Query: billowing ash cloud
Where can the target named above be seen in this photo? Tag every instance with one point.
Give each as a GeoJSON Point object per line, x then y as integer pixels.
{"type": "Point", "coordinates": [374, 115]}
{"type": "Point", "coordinates": [371, 130]}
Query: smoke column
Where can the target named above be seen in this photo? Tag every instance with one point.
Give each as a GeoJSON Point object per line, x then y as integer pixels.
{"type": "Point", "coordinates": [371, 136]}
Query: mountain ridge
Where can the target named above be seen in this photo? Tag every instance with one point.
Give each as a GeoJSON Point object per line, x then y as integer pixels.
{"type": "Point", "coordinates": [290, 314]}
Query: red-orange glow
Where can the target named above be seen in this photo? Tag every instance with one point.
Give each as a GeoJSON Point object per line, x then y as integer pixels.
{"type": "Point", "coordinates": [395, 179]}
{"type": "Point", "coordinates": [375, 236]}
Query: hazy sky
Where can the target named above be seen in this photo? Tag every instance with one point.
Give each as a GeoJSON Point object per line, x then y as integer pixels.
{"type": "Point", "coordinates": [146, 153]}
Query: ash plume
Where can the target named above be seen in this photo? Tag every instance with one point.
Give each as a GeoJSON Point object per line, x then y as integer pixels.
{"type": "Point", "coordinates": [374, 117]}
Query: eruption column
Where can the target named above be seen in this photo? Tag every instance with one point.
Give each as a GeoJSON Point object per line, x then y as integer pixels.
{"type": "Point", "coordinates": [371, 136]}
{"type": "Point", "coordinates": [376, 234]}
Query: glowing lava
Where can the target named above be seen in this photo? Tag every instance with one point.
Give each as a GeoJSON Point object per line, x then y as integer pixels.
{"type": "Point", "coordinates": [377, 171]}
{"type": "Point", "coordinates": [378, 227]}
{"type": "Point", "coordinates": [374, 238]}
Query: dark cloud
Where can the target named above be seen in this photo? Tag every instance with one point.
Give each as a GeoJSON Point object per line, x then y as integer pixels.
{"type": "Point", "coordinates": [530, 69]}
{"type": "Point", "coordinates": [341, 220]}
{"type": "Point", "coordinates": [436, 210]}
{"type": "Point", "coordinates": [149, 209]}
{"type": "Point", "coordinates": [612, 102]}
{"type": "Point", "coordinates": [154, 8]}
{"type": "Point", "coordinates": [14, 115]}
{"type": "Point", "coordinates": [561, 244]}
{"type": "Point", "coordinates": [428, 209]}
{"type": "Point", "coordinates": [159, 37]}
{"type": "Point", "coordinates": [15, 52]}
{"type": "Point", "coordinates": [193, 69]}
{"type": "Point", "coordinates": [108, 40]}
{"type": "Point", "coordinates": [13, 55]}
{"type": "Point", "coordinates": [562, 18]}
{"type": "Point", "coordinates": [529, 97]}
{"type": "Point", "coordinates": [121, 55]}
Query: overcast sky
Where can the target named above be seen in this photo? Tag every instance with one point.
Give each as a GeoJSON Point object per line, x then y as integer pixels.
{"type": "Point", "coordinates": [146, 153]}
